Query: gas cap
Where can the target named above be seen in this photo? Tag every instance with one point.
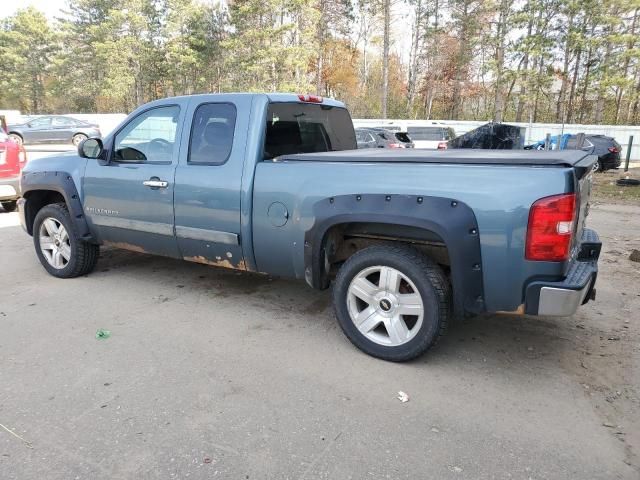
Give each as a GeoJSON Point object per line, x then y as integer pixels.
{"type": "Point", "coordinates": [278, 214]}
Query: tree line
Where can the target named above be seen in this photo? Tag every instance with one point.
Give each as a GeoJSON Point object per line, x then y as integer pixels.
{"type": "Point", "coordinates": [572, 61]}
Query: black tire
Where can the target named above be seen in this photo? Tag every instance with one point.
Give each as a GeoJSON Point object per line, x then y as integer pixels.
{"type": "Point", "coordinates": [84, 256]}
{"type": "Point", "coordinates": [627, 182]}
{"type": "Point", "coordinates": [9, 206]}
{"type": "Point", "coordinates": [77, 138]}
{"type": "Point", "coordinates": [16, 138]}
{"type": "Point", "coordinates": [431, 283]}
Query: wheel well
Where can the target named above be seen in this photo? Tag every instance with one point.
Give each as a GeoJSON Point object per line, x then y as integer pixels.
{"type": "Point", "coordinates": [36, 199]}
{"type": "Point", "coordinates": [343, 240]}
{"type": "Point", "coordinates": [15, 133]}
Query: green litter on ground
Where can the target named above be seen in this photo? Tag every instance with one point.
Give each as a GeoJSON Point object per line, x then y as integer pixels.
{"type": "Point", "coordinates": [103, 334]}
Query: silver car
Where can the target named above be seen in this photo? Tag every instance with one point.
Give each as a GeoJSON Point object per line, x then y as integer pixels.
{"type": "Point", "coordinates": [53, 129]}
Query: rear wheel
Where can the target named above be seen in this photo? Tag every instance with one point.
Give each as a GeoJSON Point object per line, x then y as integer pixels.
{"type": "Point", "coordinates": [392, 302]}
{"type": "Point", "coordinates": [60, 251]}
{"type": "Point", "coordinates": [9, 206]}
{"type": "Point", "coordinates": [16, 138]}
{"type": "Point", "coordinates": [77, 138]}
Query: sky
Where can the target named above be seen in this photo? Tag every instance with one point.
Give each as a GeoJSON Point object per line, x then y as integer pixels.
{"type": "Point", "coordinates": [51, 8]}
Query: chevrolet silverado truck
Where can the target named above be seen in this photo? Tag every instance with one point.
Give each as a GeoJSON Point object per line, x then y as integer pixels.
{"type": "Point", "coordinates": [273, 183]}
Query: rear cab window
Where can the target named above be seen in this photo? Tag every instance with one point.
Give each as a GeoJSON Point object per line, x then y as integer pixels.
{"type": "Point", "coordinates": [307, 128]}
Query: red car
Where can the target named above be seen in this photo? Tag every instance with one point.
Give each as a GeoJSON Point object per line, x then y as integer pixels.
{"type": "Point", "coordinates": [12, 159]}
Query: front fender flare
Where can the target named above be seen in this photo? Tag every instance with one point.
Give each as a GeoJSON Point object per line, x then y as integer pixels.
{"type": "Point", "coordinates": [61, 182]}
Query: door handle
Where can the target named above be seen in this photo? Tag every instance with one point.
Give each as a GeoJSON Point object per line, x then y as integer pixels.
{"type": "Point", "coordinates": [155, 182]}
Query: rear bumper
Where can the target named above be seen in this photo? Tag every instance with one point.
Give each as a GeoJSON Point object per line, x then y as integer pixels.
{"type": "Point", "coordinates": [9, 188]}
{"type": "Point", "coordinates": [562, 299]}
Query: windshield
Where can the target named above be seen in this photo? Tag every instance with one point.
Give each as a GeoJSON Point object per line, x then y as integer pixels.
{"type": "Point", "coordinates": [307, 128]}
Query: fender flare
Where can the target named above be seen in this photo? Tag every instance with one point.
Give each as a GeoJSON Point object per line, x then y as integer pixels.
{"type": "Point", "coordinates": [452, 220]}
{"type": "Point", "coordinates": [61, 182]}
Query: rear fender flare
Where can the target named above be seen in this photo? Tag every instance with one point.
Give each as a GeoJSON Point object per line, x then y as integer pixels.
{"type": "Point", "coordinates": [451, 219]}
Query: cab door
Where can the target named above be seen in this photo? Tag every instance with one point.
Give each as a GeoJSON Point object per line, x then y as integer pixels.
{"type": "Point", "coordinates": [209, 181]}
{"type": "Point", "coordinates": [128, 199]}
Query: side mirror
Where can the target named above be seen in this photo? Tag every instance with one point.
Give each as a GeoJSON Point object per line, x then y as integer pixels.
{"type": "Point", "coordinates": [90, 148]}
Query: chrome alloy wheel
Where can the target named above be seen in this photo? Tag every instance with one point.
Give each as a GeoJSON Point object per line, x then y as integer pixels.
{"type": "Point", "coordinates": [54, 243]}
{"type": "Point", "coordinates": [385, 305]}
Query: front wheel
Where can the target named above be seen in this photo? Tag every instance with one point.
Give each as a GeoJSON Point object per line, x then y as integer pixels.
{"type": "Point", "coordinates": [58, 247]}
{"type": "Point", "coordinates": [9, 206]}
{"type": "Point", "coordinates": [392, 302]}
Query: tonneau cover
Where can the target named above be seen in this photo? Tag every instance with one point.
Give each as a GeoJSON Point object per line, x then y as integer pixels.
{"type": "Point", "coordinates": [568, 158]}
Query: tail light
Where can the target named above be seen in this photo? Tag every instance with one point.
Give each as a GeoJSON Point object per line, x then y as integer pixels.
{"type": "Point", "coordinates": [22, 157]}
{"type": "Point", "coordinates": [395, 145]}
{"type": "Point", "coordinates": [550, 228]}
{"type": "Point", "coordinates": [442, 146]}
{"type": "Point", "coordinates": [310, 98]}
{"type": "Point", "coordinates": [614, 149]}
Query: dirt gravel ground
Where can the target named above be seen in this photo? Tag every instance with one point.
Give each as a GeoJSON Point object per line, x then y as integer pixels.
{"type": "Point", "coordinates": [213, 374]}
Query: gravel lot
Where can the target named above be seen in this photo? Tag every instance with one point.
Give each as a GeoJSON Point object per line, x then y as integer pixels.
{"type": "Point", "coordinates": [209, 373]}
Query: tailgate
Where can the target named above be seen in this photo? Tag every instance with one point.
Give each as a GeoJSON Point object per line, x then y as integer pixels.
{"type": "Point", "coordinates": [584, 180]}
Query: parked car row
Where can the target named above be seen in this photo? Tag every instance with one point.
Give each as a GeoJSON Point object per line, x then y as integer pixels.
{"type": "Point", "coordinates": [392, 136]}
{"type": "Point", "coordinates": [46, 129]}
{"type": "Point", "coordinates": [382, 138]}
{"type": "Point", "coordinates": [53, 129]}
{"type": "Point", "coordinates": [489, 136]}
{"type": "Point", "coordinates": [12, 160]}
{"type": "Point", "coordinates": [606, 148]}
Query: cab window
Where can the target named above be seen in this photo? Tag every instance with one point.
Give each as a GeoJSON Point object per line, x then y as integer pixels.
{"type": "Point", "coordinates": [149, 137]}
{"type": "Point", "coordinates": [42, 122]}
{"type": "Point", "coordinates": [62, 122]}
{"type": "Point", "coordinates": [212, 134]}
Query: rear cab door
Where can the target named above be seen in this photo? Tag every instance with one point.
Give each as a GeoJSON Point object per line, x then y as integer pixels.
{"type": "Point", "coordinates": [208, 180]}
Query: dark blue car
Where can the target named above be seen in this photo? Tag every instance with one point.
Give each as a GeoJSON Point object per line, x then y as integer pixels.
{"type": "Point", "coordinates": [53, 129]}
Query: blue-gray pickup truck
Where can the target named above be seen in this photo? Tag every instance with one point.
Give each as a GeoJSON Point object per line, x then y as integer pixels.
{"type": "Point", "coordinates": [273, 183]}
